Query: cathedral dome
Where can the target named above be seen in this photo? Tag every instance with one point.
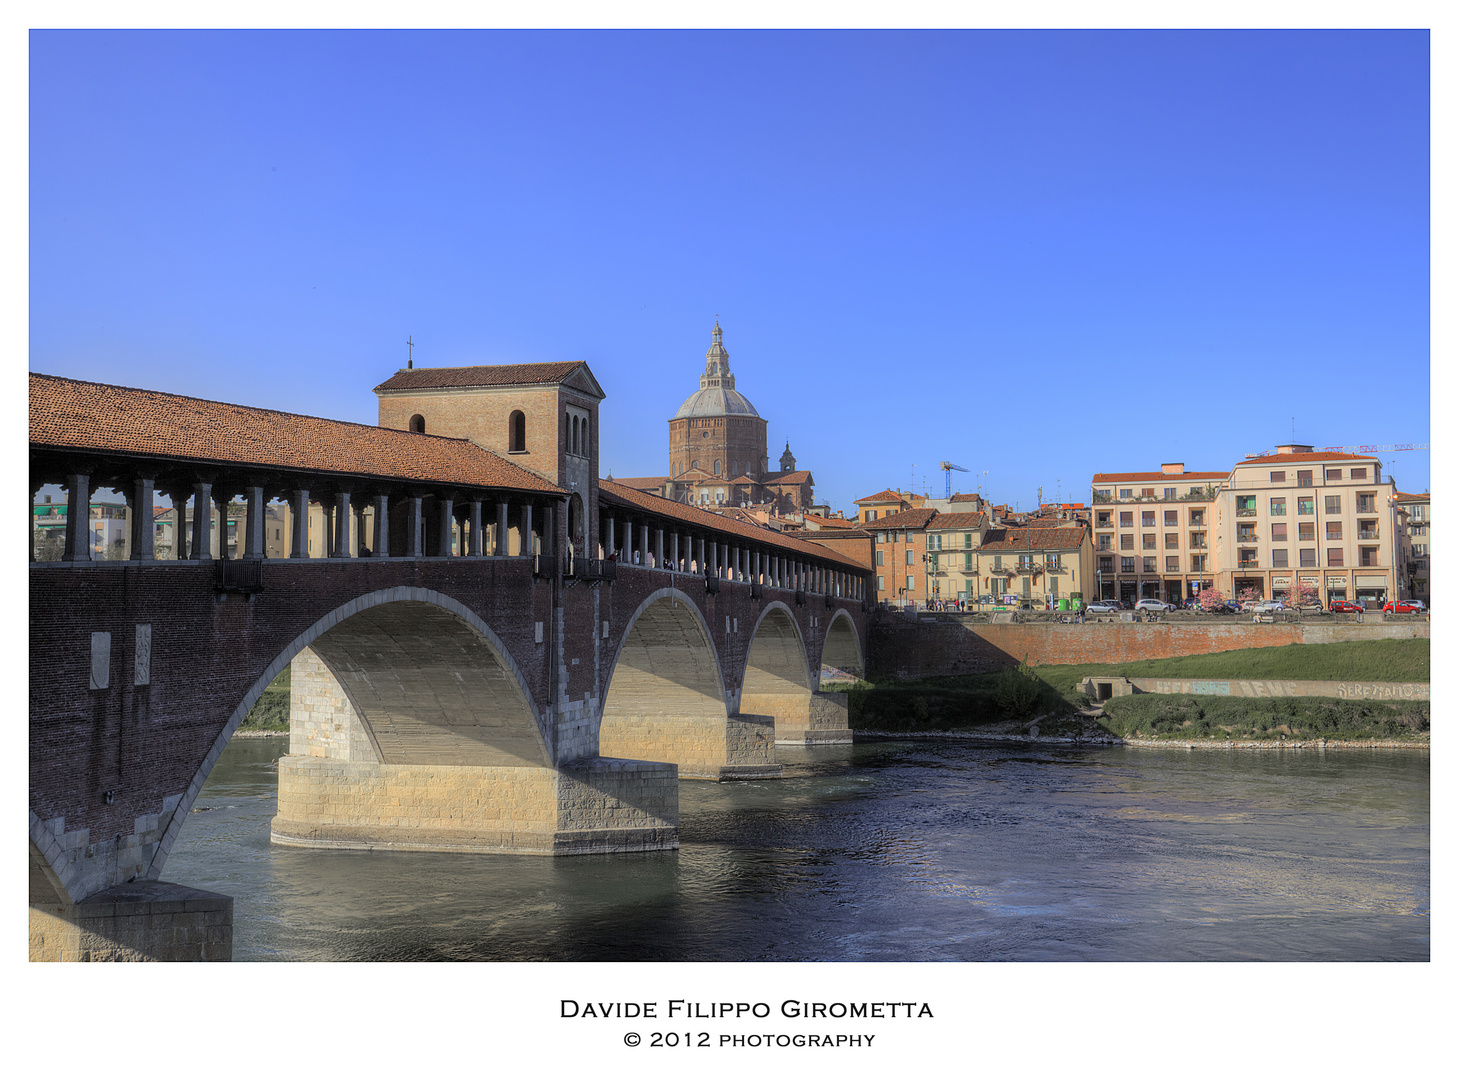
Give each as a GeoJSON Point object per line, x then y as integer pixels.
{"type": "Point", "coordinates": [717, 395]}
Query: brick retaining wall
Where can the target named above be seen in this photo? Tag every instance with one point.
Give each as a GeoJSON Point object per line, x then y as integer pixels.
{"type": "Point", "coordinates": [911, 650]}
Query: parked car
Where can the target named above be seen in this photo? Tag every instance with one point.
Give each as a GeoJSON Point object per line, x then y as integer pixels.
{"type": "Point", "coordinates": [1345, 607]}
{"type": "Point", "coordinates": [1269, 606]}
{"type": "Point", "coordinates": [1153, 605]}
{"type": "Point", "coordinates": [1400, 607]}
{"type": "Point", "coordinates": [1251, 605]}
{"type": "Point", "coordinates": [1232, 605]}
{"type": "Point", "coordinates": [1104, 607]}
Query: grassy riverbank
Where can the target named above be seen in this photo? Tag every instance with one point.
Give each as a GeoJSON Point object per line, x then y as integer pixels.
{"type": "Point", "coordinates": [271, 711]}
{"type": "Point", "coordinates": [1007, 701]}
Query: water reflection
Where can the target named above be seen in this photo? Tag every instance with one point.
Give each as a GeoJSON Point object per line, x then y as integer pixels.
{"type": "Point", "coordinates": [883, 851]}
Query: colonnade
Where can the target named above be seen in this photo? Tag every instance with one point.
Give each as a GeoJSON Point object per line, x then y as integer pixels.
{"type": "Point", "coordinates": [650, 544]}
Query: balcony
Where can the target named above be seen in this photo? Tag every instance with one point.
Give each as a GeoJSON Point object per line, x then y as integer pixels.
{"type": "Point", "coordinates": [238, 575]}
{"type": "Point", "coordinates": [1247, 513]}
{"type": "Point", "coordinates": [1305, 481]}
{"type": "Point", "coordinates": [1368, 534]}
{"type": "Point", "coordinates": [590, 571]}
{"type": "Point", "coordinates": [1247, 564]}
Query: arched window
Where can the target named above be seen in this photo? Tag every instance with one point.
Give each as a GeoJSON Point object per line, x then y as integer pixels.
{"type": "Point", "coordinates": [516, 433]}
{"type": "Point", "coordinates": [694, 464]}
{"type": "Point", "coordinates": [717, 466]}
{"type": "Point", "coordinates": [572, 434]}
{"type": "Point", "coordinates": [418, 424]}
{"type": "Point", "coordinates": [583, 430]}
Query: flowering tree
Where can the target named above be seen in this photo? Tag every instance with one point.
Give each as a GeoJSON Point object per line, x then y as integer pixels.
{"type": "Point", "coordinates": [1211, 599]}
{"type": "Point", "coordinates": [1249, 596]}
{"type": "Point", "coordinates": [1302, 594]}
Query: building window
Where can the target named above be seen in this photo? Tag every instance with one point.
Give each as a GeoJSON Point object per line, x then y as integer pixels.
{"type": "Point", "coordinates": [1305, 506]}
{"type": "Point", "coordinates": [1127, 542]}
{"type": "Point", "coordinates": [1279, 531]}
{"type": "Point", "coordinates": [1333, 504]}
{"type": "Point", "coordinates": [1358, 474]}
{"type": "Point", "coordinates": [1198, 539]}
{"type": "Point", "coordinates": [1148, 493]}
{"type": "Point", "coordinates": [881, 583]}
{"type": "Point", "coordinates": [1103, 544]}
{"type": "Point", "coordinates": [909, 586]}
{"type": "Point", "coordinates": [717, 466]}
{"type": "Point", "coordinates": [879, 557]}
{"type": "Point", "coordinates": [1173, 564]}
{"type": "Point", "coordinates": [1277, 507]}
{"type": "Point", "coordinates": [1246, 505]}
{"type": "Point", "coordinates": [1148, 519]}
{"type": "Point", "coordinates": [1368, 556]}
{"type": "Point", "coordinates": [1102, 494]}
{"type": "Point", "coordinates": [1172, 541]}
{"type": "Point", "coordinates": [968, 540]}
{"type": "Point", "coordinates": [418, 424]}
{"type": "Point", "coordinates": [1102, 520]}
{"type": "Point", "coordinates": [1280, 557]}
{"type": "Point", "coordinates": [1305, 477]}
{"type": "Point", "coordinates": [1247, 534]}
{"type": "Point", "coordinates": [1335, 556]}
{"type": "Point", "coordinates": [1246, 558]}
{"type": "Point", "coordinates": [1367, 503]}
{"type": "Point", "coordinates": [1127, 564]}
{"type": "Point", "coordinates": [1305, 530]}
{"type": "Point", "coordinates": [998, 563]}
{"type": "Point", "coordinates": [1333, 530]}
{"type": "Point", "coordinates": [1198, 564]}
{"type": "Point", "coordinates": [968, 560]}
{"type": "Point", "coordinates": [1127, 519]}
{"type": "Point", "coordinates": [1148, 541]}
{"type": "Point", "coordinates": [1198, 518]}
{"type": "Point", "coordinates": [517, 433]}
{"type": "Point", "coordinates": [1168, 493]}
{"type": "Point", "coordinates": [1333, 474]}
{"type": "Point", "coordinates": [1277, 477]}
{"type": "Point", "coordinates": [1107, 564]}
{"type": "Point", "coordinates": [1170, 519]}
{"type": "Point", "coordinates": [1307, 557]}
{"type": "Point", "coordinates": [1148, 564]}
{"type": "Point", "coordinates": [1125, 493]}
{"type": "Point", "coordinates": [909, 554]}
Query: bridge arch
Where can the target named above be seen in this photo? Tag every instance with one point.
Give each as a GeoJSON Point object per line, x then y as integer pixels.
{"type": "Point", "coordinates": [511, 733]}
{"type": "Point", "coordinates": [776, 661]}
{"type": "Point", "coordinates": [841, 648]}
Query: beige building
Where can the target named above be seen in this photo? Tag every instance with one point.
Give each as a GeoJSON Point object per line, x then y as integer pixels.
{"type": "Point", "coordinates": [1325, 519]}
{"type": "Point", "coordinates": [1155, 535]}
{"type": "Point", "coordinates": [1413, 531]}
{"type": "Point", "coordinates": [969, 556]}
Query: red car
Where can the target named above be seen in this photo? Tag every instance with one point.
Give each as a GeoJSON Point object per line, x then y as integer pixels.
{"type": "Point", "coordinates": [1401, 607]}
{"type": "Point", "coordinates": [1345, 607]}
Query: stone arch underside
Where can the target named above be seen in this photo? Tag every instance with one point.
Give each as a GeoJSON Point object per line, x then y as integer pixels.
{"type": "Point", "coordinates": [428, 689]}
{"type": "Point", "coordinates": [411, 730]}
{"type": "Point", "coordinates": [779, 685]}
{"type": "Point", "coordinates": [666, 701]}
{"type": "Point", "coordinates": [841, 654]}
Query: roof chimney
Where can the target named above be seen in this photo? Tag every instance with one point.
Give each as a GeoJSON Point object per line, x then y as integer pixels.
{"type": "Point", "coordinates": [1175, 468]}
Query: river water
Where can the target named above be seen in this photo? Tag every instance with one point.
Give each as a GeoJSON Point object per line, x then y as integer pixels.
{"type": "Point", "coordinates": [896, 850]}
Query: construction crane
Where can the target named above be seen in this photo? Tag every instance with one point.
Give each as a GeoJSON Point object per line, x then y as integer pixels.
{"type": "Point", "coordinates": [948, 468]}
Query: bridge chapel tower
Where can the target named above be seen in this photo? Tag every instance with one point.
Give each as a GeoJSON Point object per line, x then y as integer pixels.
{"type": "Point", "coordinates": [717, 432]}
{"type": "Point", "coordinates": [542, 417]}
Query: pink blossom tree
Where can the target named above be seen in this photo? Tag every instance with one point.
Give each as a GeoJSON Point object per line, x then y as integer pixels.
{"type": "Point", "coordinates": [1211, 599]}
{"type": "Point", "coordinates": [1302, 595]}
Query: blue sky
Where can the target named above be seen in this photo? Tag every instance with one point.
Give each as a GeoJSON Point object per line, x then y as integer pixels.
{"type": "Point", "coordinates": [1039, 254]}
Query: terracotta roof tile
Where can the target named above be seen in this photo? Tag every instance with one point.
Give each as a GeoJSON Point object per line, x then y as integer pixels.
{"type": "Point", "coordinates": [800, 476]}
{"type": "Point", "coordinates": [482, 375]}
{"type": "Point", "coordinates": [881, 497]}
{"type": "Point", "coordinates": [1032, 539]}
{"type": "Point", "coordinates": [641, 483]}
{"type": "Point", "coordinates": [1280, 459]}
{"type": "Point", "coordinates": [1401, 496]}
{"type": "Point", "coordinates": [905, 519]}
{"type": "Point", "coordinates": [72, 415]}
{"type": "Point", "coordinates": [959, 521]}
{"type": "Point", "coordinates": [611, 493]}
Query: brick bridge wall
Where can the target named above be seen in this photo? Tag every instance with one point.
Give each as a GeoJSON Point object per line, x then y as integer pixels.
{"type": "Point", "coordinates": [211, 653]}
{"type": "Point", "coordinates": [904, 649]}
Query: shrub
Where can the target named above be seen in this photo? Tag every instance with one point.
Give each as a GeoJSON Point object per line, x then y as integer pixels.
{"type": "Point", "coordinates": [1017, 690]}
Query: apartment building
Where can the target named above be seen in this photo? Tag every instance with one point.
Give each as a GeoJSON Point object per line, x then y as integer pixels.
{"type": "Point", "coordinates": [1325, 519]}
{"type": "Point", "coordinates": [1413, 532]}
{"type": "Point", "coordinates": [953, 541]}
{"type": "Point", "coordinates": [899, 556]}
{"type": "Point", "coordinates": [1155, 535]}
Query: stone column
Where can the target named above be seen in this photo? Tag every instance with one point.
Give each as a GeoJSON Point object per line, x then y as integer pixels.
{"type": "Point", "coordinates": [141, 523]}
{"type": "Point", "coordinates": [78, 518]}
{"type": "Point", "coordinates": [253, 537]}
{"type": "Point", "coordinates": [380, 542]}
{"type": "Point", "coordinates": [362, 538]}
{"type": "Point", "coordinates": [413, 526]}
{"type": "Point", "coordinates": [526, 530]}
{"type": "Point", "coordinates": [299, 511]}
{"type": "Point", "coordinates": [475, 525]}
{"type": "Point", "coordinates": [643, 545]}
{"type": "Point", "coordinates": [674, 550]}
{"type": "Point", "coordinates": [549, 537]}
{"type": "Point", "coordinates": [340, 549]}
{"type": "Point", "coordinates": [612, 544]}
{"type": "Point", "coordinates": [659, 549]}
{"type": "Point", "coordinates": [699, 543]}
{"type": "Point", "coordinates": [499, 542]}
{"type": "Point", "coordinates": [327, 525]}
{"type": "Point", "coordinates": [202, 521]}
{"type": "Point", "coordinates": [447, 524]}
